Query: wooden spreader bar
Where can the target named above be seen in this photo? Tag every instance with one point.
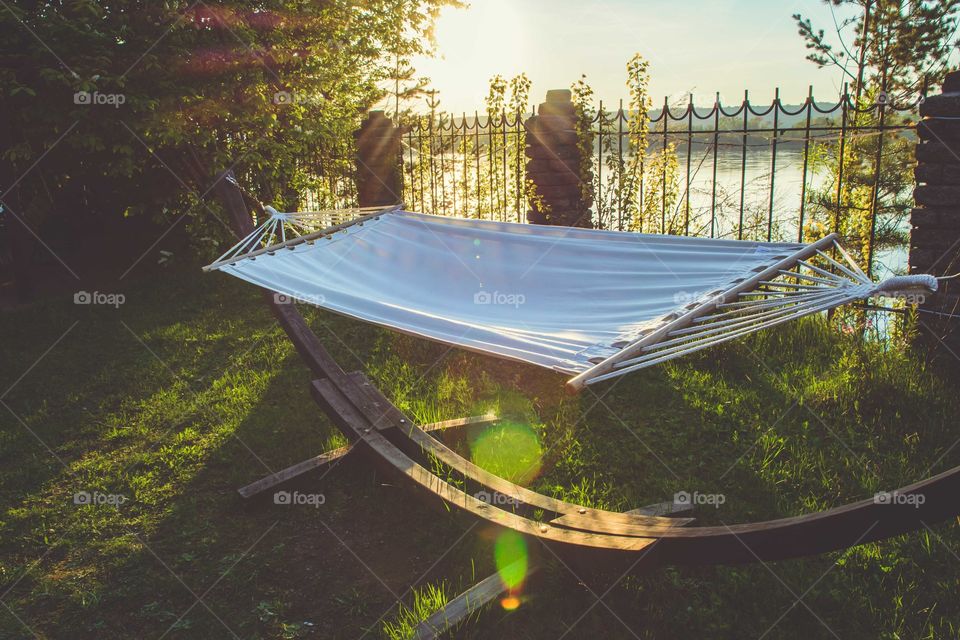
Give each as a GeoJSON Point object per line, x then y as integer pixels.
{"type": "Point", "coordinates": [635, 348]}
{"type": "Point", "coordinates": [362, 214]}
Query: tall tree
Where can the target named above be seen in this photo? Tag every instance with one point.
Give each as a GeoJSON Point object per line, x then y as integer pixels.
{"type": "Point", "coordinates": [895, 45]}
{"type": "Point", "coordinates": [121, 106]}
{"type": "Point", "coordinates": [887, 52]}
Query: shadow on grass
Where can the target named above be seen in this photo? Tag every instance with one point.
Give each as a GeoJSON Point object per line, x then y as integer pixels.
{"type": "Point", "coordinates": [213, 397]}
{"type": "Point", "coordinates": [188, 405]}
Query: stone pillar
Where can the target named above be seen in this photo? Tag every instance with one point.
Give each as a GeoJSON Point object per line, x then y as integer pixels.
{"type": "Point", "coordinates": [935, 236]}
{"type": "Point", "coordinates": [379, 181]}
{"type": "Point", "coordinates": [554, 165]}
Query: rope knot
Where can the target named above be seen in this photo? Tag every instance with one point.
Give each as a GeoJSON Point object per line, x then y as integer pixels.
{"type": "Point", "coordinates": [275, 215]}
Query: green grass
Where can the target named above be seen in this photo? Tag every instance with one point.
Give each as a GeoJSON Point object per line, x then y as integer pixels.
{"type": "Point", "coordinates": [189, 390]}
{"type": "Point", "coordinates": [425, 601]}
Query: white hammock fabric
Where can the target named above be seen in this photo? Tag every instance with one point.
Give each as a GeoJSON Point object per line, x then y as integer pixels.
{"type": "Point", "coordinates": [596, 304]}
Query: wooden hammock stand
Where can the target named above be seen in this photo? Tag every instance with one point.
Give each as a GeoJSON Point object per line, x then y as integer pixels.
{"type": "Point", "coordinates": [392, 440]}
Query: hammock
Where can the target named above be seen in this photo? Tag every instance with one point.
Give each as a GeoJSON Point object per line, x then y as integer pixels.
{"type": "Point", "coordinates": [587, 303]}
{"type": "Point", "coordinates": [592, 290]}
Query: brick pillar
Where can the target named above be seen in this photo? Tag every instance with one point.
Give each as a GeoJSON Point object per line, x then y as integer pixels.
{"type": "Point", "coordinates": [553, 165]}
{"type": "Point", "coordinates": [378, 161]}
{"type": "Point", "coordinates": [935, 237]}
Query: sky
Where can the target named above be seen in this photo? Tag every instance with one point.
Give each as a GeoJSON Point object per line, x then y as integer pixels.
{"type": "Point", "coordinates": [694, 46]}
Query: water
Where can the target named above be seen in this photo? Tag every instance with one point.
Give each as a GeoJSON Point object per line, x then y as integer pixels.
{"type": "Point", "coordinates": [749, 177]}
{"type": "Point", "coordinates": [743, 183]}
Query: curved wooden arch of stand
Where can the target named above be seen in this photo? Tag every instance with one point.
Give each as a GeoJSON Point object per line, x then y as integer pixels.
{"type": "Point", "coordinates": [377, 427]}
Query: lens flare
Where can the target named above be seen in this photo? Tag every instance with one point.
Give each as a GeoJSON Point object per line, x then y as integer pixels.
{"type": "Point", "coordinates": [510, 555]}
{"type": "Point", "coordinates": [510, 603]}
{"type": "Point", "coordinates": [510, 450]}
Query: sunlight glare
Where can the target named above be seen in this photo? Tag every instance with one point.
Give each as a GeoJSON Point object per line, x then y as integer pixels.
{"type": "Point", "coordinates": [479, 42]}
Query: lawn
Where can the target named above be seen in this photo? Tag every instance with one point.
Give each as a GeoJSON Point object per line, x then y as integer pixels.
{"type": "Point", "coordinates": [159, 409]}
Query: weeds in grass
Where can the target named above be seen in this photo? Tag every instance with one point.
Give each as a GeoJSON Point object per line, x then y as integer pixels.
{"type": "Point", "coordinates": [425, 601]}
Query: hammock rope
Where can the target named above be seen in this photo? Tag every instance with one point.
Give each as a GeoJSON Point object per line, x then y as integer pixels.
{"type": "Point", "coordinates": [304, 226]}
{"type": "Point", "coordinates": [776, 302]}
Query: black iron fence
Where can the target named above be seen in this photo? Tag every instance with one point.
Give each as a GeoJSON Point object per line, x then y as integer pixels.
{"type": "Point", "coordinates": [780, 172]}
{"type": "Point", "coordinates": [470, 166]}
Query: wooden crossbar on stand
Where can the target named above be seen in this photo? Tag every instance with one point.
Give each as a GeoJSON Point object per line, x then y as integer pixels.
{"type": "Point", "coordinates": [324, 459]}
